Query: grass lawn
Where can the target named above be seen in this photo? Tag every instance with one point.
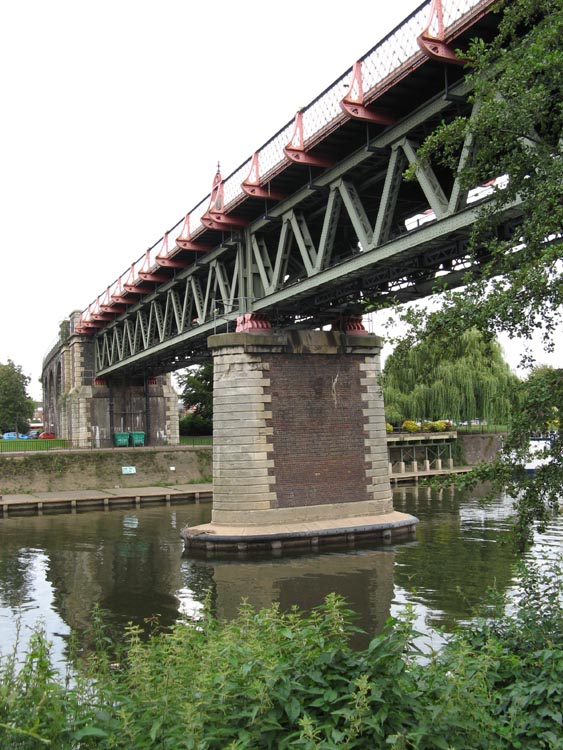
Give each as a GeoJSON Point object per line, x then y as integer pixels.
{"type": "Point", "coordinates": [31, 446]}
{"type": "Point", "coordinates": [196, 440]}
{"type": "Point", "coordinates": [10, 446]}
{"type": "Point", "coordinates": [481, 428]}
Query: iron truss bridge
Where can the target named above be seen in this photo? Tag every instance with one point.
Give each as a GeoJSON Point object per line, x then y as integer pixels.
{"type": "Point", "coordinates": [319, 218]}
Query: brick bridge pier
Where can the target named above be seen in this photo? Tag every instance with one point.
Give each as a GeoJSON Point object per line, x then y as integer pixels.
{"type": "Point", "coordinates": [300, 454]}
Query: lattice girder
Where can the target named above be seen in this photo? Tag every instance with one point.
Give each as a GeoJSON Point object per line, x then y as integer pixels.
{"type": "Point", "coordinates": [347, 231]}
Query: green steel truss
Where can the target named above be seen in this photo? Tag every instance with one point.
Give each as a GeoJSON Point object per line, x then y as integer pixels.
{"type": "Point", "coordinates": [311, 259]}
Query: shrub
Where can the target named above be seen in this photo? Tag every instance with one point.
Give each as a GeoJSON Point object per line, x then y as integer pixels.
{"type": "Point", "coordinates": [388, 427]}
{"type": "Point", "coordinates": [194, 424]}
{"type": "Point", "coordinates": [440, 426]}
{"type": "Point", "coordinates": [279, 680]}
{"type": "Point", "coordinates": [410, 426]}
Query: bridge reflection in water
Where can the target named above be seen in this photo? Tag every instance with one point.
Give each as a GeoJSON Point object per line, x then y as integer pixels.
{"type": "Point", "coordinates": [364, 577]}
{"type": "Point", "coordinates": [131, 563]}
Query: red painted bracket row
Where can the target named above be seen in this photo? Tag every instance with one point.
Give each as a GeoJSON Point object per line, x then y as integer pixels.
{"type": "Point", "coordinates": [353, 104]}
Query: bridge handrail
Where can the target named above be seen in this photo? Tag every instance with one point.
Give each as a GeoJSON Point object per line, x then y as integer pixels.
{"type": "Point", "coordinates": [393, 56]}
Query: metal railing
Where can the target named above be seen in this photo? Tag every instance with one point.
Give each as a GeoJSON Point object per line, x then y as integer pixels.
{"type": "Point", "coordinates": [17, 447]}
{"type": "Point", "coordinates": [382, 66]}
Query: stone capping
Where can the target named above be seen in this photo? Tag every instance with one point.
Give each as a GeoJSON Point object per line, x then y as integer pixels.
{"type": "Point", "coordinates": [299, 342]}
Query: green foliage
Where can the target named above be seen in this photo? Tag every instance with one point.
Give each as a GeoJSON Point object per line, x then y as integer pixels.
{"type": "Point", "coordinates": [64, 330]}
{"type": "Point", "coordinates": [537, 497]}
{"type": "Point", "coordinates": [441, 425]}
{"type": "Point", "coordinates": [388, 427]}
{"type": "Point", "coordinates": [468, 380]}
{"type": "Point", "coordinates": [9, 446]}
{"type": "Point", "coordinates": [16, 407]}
{"type": "Point", "coordinates": [410, 426]}
{"type": "Point", "coordinates": [194, 424]}
{"type": "Point", "coordinates": [516, 80]}
{"type": "Point", "coordinates": [197, 390]}
{"type": "Point", "coordinates": [276, 680]}
{"type": "Point", "coordinates": [517, 282]}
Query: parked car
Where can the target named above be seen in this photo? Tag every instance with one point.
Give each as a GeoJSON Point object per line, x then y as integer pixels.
{"type": "Point", "coordinates": [14, 436]}
{"type": "Point", "coordinates": [47, 436]}
{"type": "Point", "coordinates": [33, 434]}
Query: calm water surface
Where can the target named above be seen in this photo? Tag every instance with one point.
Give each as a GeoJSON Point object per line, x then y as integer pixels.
{"type": "Point", "coordinates": [55, 568]}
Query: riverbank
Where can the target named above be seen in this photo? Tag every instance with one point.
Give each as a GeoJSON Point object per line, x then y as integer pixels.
{"type": "Point", "coordinates": [175, 466]}
{"type": "Point", "coordinates": [117, 469]}
{"type": "Point", "coordinates": [82, 500]}
{"type": "Point", "coordinates": [71, 501]}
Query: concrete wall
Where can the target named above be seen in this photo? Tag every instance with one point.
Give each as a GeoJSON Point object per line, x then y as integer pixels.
{"type": "Point", "coordinates": [89, 470]}
{"type": "Point", "coordinates": [475, 448]}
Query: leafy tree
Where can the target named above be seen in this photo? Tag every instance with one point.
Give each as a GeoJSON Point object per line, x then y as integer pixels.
{"type": "Point", "coordinates": [192, 424]}
{"type": "Point", "coordinates": [516, 284]}
{"type": "Point", "coordinates": [16, 407]}
{"type": "Point", "coordinates": [197, 390]}
{"type": "Point", "coordinates": [467, 380]}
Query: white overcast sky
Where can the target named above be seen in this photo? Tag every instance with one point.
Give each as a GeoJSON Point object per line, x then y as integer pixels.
{"type": "Point", "coordinates": [114, 116]}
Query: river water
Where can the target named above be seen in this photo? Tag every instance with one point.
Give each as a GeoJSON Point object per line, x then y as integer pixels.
{"type": "Point", "coordinates": [56, 568]}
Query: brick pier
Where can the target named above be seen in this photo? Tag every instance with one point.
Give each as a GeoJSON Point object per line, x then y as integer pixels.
{"type": "Point", "coordinates": [300, 454]}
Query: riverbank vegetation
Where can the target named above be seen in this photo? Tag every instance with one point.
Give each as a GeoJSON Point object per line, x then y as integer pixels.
{"type": "Point", "coordinates": [465, 381]}
{"type": "Point", "coordinates": [279, 680]}
{"type": "Point", "coordinates": [511, 139]}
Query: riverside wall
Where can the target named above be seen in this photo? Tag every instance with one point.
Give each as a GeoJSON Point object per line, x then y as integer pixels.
{"type": "Point", "coordinates": [474, 448]}
{"type": "Point", "coordinates": [53, 471]}
{"type": "Point", "coordinates": [92, 469]}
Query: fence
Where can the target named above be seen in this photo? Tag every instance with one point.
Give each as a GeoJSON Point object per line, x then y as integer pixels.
{"type": "Point", "coordinates": [39, 446]}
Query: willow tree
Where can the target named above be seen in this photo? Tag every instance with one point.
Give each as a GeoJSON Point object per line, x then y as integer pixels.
{"type": "Point", "coordinates": [467, 380]}
{"type": "Point", "coordinates": [517, 283]}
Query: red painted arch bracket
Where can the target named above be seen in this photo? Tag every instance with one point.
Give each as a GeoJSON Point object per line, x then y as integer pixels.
{"type": "Point", "coordinates": [353, 102]}
{"type": "Point", "coordinates": [163, 258]}
{"type": "Point", "coordinates": [118, 296]}
{"type": "Point", "coordinates": [89, 327]}
{"type": "Point", "coordinates": [219, 220]}
{"type": "Point", "coordinates": [133, 289]}
{"type": "Point", "coordinates": [215, 216]}
{"type": "Point", "coordinates": [350, 325]}
{"type": "Point", "coordinates": [433, 44]}
{"type": "Point", "coordinates": [185, 242]}
{"type": "Point", "coordinates": [295, 149]}
{"type": "Point", "coordinates": [146, 274]}
{"type": "Point", "coordinates": [131, 286]}
{"type": "Point", "coordinates": [437, 49]}
{"type": "Point", "coordinates": [253, 323]}
{"type": "Point", "coordinates": [252, 187]}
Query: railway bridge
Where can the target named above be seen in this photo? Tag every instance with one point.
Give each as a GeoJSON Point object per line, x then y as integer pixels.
{"type": "Point", "coordinates": [270, 272]}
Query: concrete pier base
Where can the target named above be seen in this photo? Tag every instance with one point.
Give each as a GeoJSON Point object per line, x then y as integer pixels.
{"type": "Point", "coordinates": [299, 445]}
{"type": "Point", "coordinates": [384, 528]}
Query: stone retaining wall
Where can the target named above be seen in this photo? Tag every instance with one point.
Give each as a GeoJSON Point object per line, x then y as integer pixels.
{"type": "Point", "coordinates": [476, 448]}
{"type": "Point", "coordinates": [89, 470]}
